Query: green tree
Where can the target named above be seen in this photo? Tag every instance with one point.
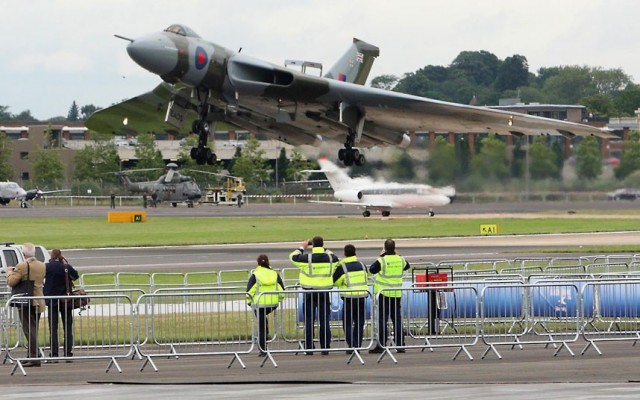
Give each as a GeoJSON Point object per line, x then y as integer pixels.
{"type": "Point", "coordinates": [630, 161]}
{"type": "Point", "coordinates": [251, 164]}
{"type": "Point", "coordinates": [282, 166]}
{"type": "Point", "coordinates": [512, 73]}
{"type": "Point", "coordinates": [443, 165]}
{"type": "Point", "coordinates": [24, 116]}
{"type": "Point", "coordinates": [5, 114]}
{"type": "Point", "coordinates": [482, 66]}
{"type": "Point", "coordinates": [47, 168]}
{"type": "Point", "coordinates": [74, 112]}
{"type": "Point", "coordinates": [97, 163]}
{"type": "Point", "coordinates": [599, 104]}
{"type": "Point", "coordinates": [569, 85]}
{"type": "Point", "coordinates": [402, 168]}
{"type": "Point", "coordinates": [87, 110]}
{"type": "Point", "coordinates": [6, 172]}
{"type": "Point", "coordinates": [542, 160]}
{"type": "Point", "coordinates": [148, 155]}
{"type": "Point", "coordinates": [628, 100]}
{"type": "Point", "coordinates": [386, 82]}
{"type": "Point", "coordinates": [491, 162]}
{"type": "Point", "coordinates": [588, 158]}
{"type": "Point", "coordinates": [297, 164]}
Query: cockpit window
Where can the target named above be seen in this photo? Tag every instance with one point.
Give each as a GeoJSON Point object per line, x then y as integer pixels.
{"type": "Point", "coordinates": [182, 30]}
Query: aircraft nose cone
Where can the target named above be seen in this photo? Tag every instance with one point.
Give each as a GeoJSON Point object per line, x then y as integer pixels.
{"type": "Point", "coordinates": [155, 53]}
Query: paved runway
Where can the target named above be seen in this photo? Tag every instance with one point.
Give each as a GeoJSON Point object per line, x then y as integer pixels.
{"type": "Point", "coordinates": [531, 373]}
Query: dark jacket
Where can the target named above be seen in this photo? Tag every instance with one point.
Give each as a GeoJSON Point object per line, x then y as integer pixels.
{"type": "Point", "coordinates": [54, 281]}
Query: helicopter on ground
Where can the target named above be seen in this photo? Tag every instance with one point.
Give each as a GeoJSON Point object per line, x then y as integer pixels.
{"type": "Point", "coordinates": [172, 187]}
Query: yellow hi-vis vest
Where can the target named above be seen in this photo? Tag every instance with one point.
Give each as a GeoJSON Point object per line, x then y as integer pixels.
{"type": "Point", "coordinates": [390, 275]}
{"type": "Point", "coordinates": [315, 275]}
{"type": "Point", "coordinates": [266, 283]}
{"type": "Point", "coordinates": [353, 281]}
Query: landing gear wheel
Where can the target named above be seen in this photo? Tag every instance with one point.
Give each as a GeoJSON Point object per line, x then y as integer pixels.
{"type": "Point", "coordinates": [360, 161]}
{"type": "Point", "coordinates": [431, 213]}
{"type": "Point", "coordinates": [348, 157]}
{"type": "Point", "coordinates": [212, 158]}
{"type": "Point", "coordinates": [341, 154]}
{"type": "Point", "coordinates": [367, 213]}
{"type": "Point", "coordinates": [174, 204]}
{"type": "Point", "coordinates": [386, 213]}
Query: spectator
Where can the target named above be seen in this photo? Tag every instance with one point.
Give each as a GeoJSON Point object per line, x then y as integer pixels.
{"type": "Point", "coordinates": [316, 272]}
{"type": "Point", "coordinates": [351, 278]}
{"type": "Point", "coordinates": [262, 287]}
{"type": "Point", "coordinates": [58, 282]}
{"type": "Point", "coordinates": [388, 269]}
{"type": "Point", "coordinates": [30, 269]}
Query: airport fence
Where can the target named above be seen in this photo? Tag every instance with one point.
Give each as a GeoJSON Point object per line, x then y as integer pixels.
{"type": "Point", "coordinates": [592, 301]}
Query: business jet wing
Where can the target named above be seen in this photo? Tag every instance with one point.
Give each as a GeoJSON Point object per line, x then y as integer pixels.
{"type": "Point", "coordinates": [378, 206]}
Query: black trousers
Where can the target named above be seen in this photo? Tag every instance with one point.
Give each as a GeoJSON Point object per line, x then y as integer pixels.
{"type": "Point", "coordinates": [353, 317]}
{"type": "Point", "coordinates": [390, 307]}
{"type": "Point", "coordinates": [66, 314]}
{"type": "Point", "coordinates": [321, 303]}
{"type": "Point", "coordinates": [29, 320]}
{"type": "Point", "coordinates": [263, 325]}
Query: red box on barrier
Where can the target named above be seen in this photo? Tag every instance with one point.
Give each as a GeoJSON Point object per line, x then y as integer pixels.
{"type": "Point", "coordinates": [433, 279]}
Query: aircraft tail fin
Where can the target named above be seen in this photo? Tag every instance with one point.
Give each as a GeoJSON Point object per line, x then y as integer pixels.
{"type": "Point", "coordinates": [354, 66]}
{"type": "Point", "coordinates": [338, 178]}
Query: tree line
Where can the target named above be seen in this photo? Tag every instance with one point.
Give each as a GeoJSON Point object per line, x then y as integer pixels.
{"type": "Point", "coordinates": [482, 78]}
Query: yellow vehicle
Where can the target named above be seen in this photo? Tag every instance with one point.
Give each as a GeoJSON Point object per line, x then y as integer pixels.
{"type": "Point", "coordinates": [230, 193]}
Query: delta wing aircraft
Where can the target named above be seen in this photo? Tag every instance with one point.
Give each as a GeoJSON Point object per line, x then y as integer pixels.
{"type": "Point", "coordinates": [205, 82]}
{"type": "Point", "coordinates": [12, 191]}
{"type": "Point", "coordinates": [381, 196]}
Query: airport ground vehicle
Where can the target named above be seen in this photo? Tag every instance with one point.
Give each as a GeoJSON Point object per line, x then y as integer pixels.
{"type": "Point", "coordinates": [230, 193]}
{"type": "Point", "coordinates": [624, 194]}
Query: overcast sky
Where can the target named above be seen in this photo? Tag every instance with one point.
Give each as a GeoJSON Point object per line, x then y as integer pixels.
{"type": "Point", "coordinates": [55, 52]}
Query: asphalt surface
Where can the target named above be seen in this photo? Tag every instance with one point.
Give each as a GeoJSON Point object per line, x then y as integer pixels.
{"type": "Point", "coordinates": [531, 373]}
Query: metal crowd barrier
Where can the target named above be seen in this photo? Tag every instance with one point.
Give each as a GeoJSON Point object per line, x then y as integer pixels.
{"type": "Point", "coordinates": [101, 330]}
{"type": "Point", "coordinates": [554, 308]}
{"type": "Point", "coordinates": [194, 323]}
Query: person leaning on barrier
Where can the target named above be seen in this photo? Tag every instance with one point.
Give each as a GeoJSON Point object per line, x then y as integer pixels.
{"type": "Point", "coordinates": [316, 279]}
{"type": "Point", "coordinates": [56, 284]}
{"type": "Point", "coordinates": [29, 314]}
{"type": "Point", "coordinates": [350, 277]}
{"type": "Point", "coordinates": [262, 287]}
{"type": "Point", "coordinates": [388, 269]}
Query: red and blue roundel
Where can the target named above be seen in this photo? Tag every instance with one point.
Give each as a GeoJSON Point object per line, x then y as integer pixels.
{"type": "Point", "coordinates": [201, 58]}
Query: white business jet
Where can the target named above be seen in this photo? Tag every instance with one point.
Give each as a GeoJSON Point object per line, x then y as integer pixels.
{"type": "Point", "coordinates": [381, 196]}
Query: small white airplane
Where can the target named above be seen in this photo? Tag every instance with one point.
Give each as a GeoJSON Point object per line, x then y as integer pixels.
{"type": "Point", "coordinates": [381, 196]}
{"type": "Point", "coordinates": [12, 191]}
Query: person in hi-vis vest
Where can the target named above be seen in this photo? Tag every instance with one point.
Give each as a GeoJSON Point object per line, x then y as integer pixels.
{"type": "Point", "coordinates": [388, 269]}
{"type": "Point", "coordinates": [351, 278]}
{"type": "Point", "coordinates": [316, 279]}
{"type": "Point", "coordinates": [265, 289]}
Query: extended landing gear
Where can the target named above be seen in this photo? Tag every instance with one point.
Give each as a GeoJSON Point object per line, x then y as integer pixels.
{"type": "Point", "coordinates": [349, 155]}
{"type": "Point", "coordinates": [202, 154]}
{"type": "Point", "coordinates": [431, 213]}
{"type": "Point", "coordinates": [367, 213]}
{"type": "Point", "coordinates": [386, 213]}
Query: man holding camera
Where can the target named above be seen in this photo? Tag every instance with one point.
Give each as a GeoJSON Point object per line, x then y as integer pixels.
{"type": "Point", "coordinates": [316, 279]}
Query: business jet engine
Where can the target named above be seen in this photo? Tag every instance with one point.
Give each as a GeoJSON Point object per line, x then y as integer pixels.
{"type": "Point", "coordinates": [348, 195]}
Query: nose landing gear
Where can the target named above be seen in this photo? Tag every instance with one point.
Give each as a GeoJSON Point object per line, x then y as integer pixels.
{"type": "Point", "coordinates": [202, 154]}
